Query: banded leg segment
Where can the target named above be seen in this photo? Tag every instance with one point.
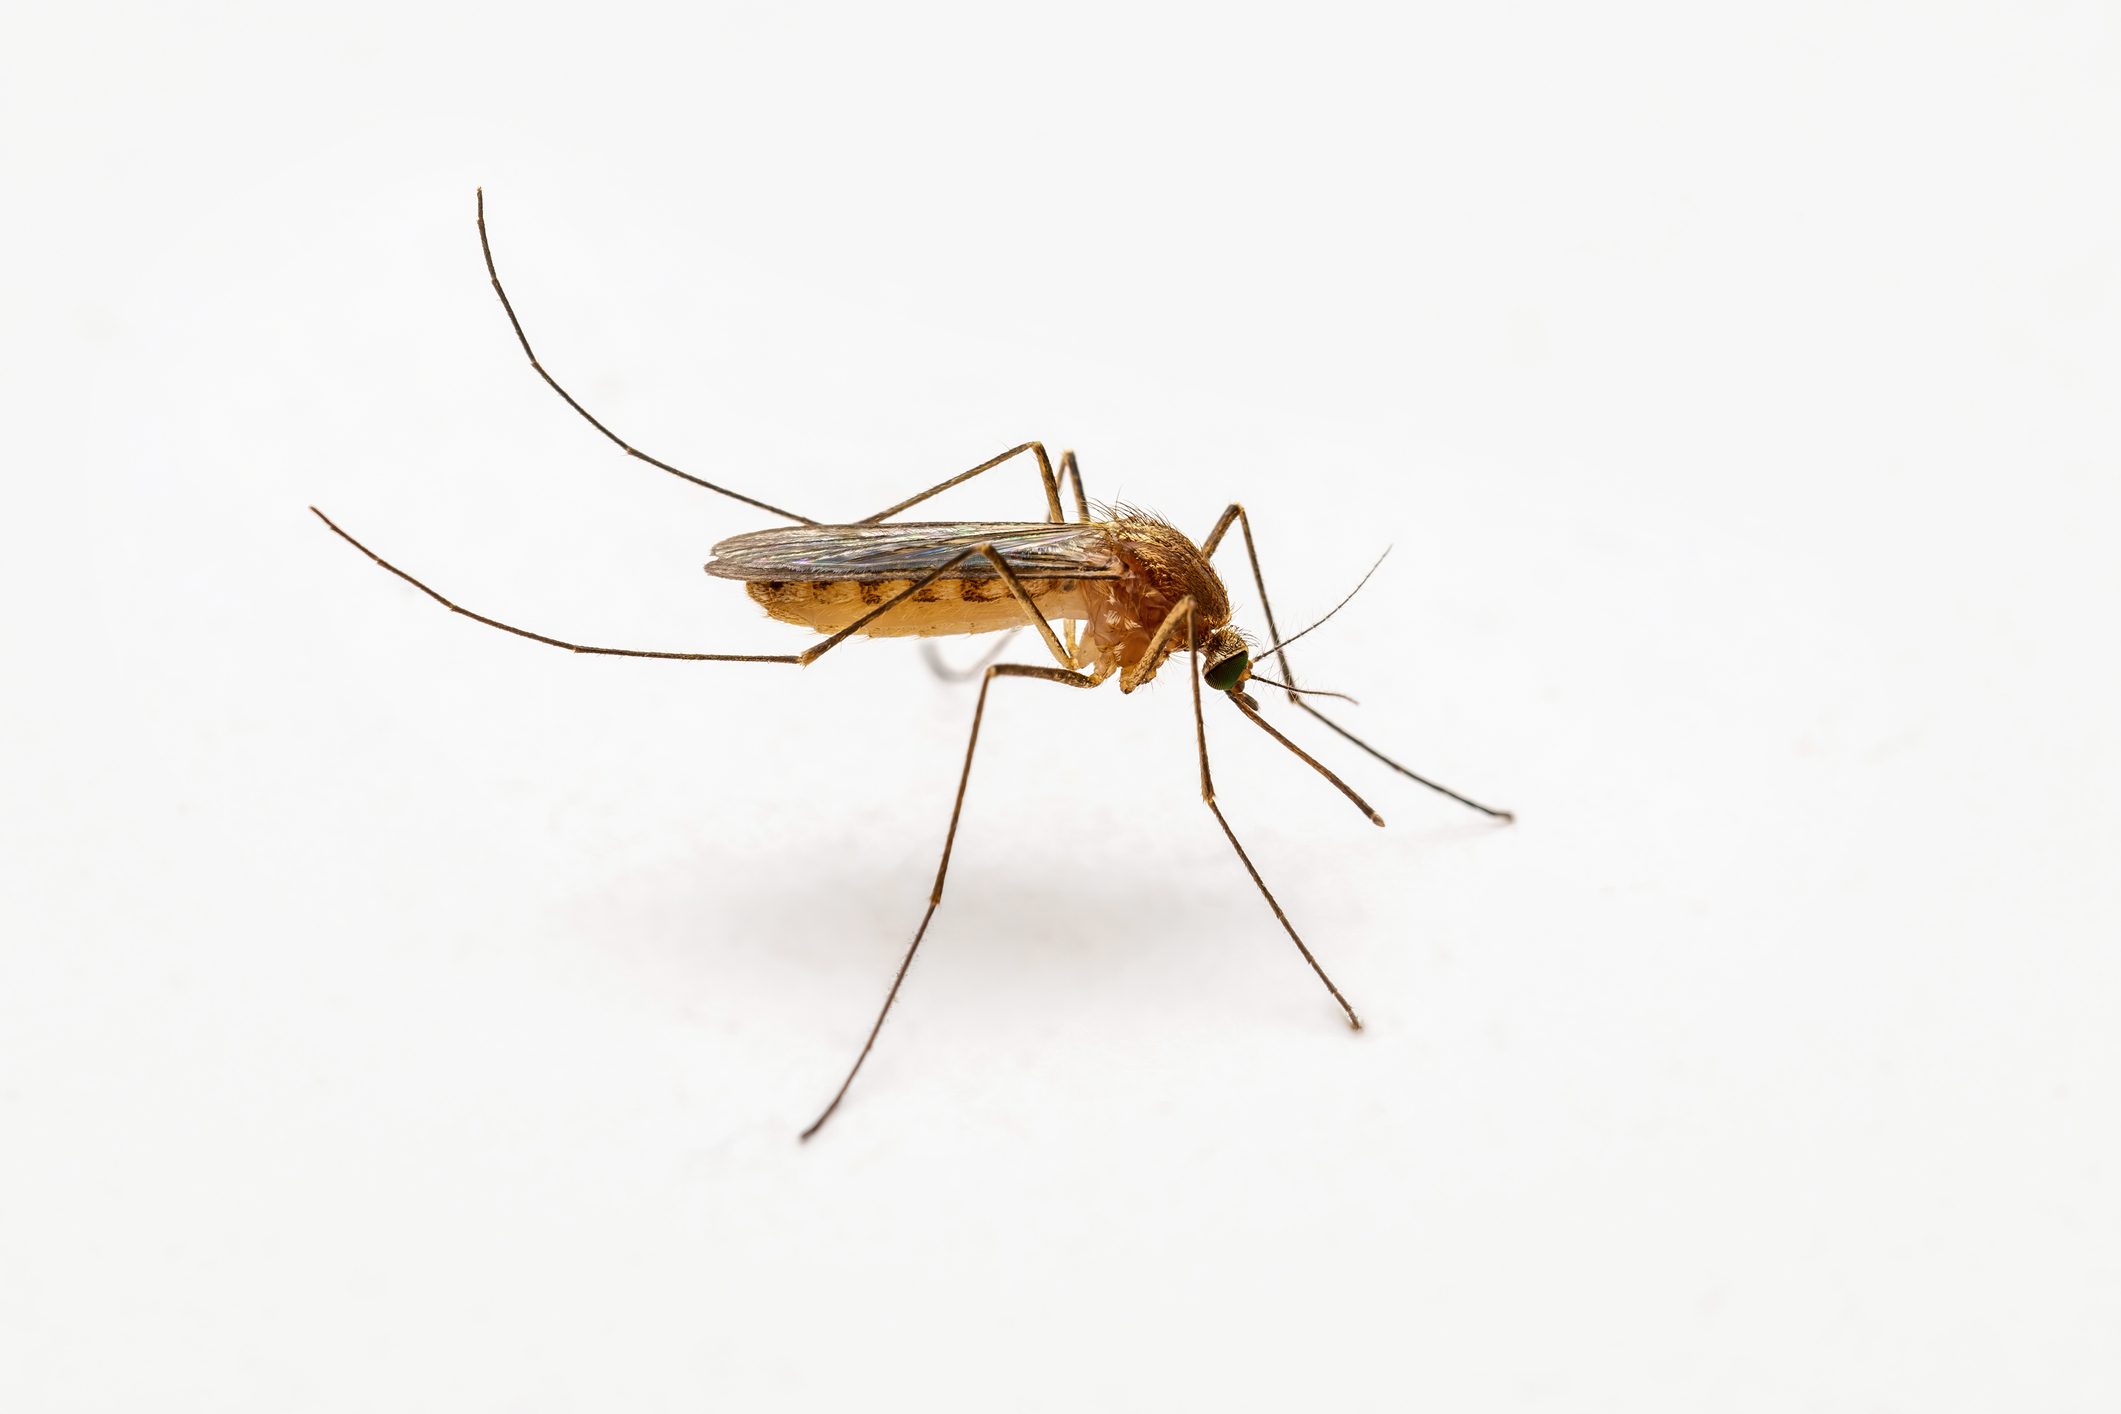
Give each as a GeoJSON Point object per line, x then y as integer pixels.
{"type": "Point", "coordinates": [1236, 513]}
{"type": "Point", "coordinates": [942, 869]}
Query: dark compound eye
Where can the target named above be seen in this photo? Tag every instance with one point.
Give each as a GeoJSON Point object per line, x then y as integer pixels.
{"type": "Point", "coordinates": [1228, 673]}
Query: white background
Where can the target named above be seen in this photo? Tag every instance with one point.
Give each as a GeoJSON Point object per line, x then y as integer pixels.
{"type": "Point", "coordinates": [398, 1015]}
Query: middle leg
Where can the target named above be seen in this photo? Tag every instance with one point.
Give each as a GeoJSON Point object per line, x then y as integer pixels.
{"type": "Point", "coordinates": [942, 868]}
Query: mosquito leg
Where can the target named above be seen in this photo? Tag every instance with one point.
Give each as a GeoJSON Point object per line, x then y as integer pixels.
{"type": "Point", "coordinates": [1009, 578]}
{"type": "Point", "coordinates": [1073, 474]}
{"type": "Point", "coordinates": [1244, 705]}
{"type": "Point", "coordinates": [486, 249]}
{"type": "Point", "coordinates": [1065, 657]}
{"type": "Point", "coordinates": [1045, 467]}
{"type": "Point", "coordinates": [1236, 513]}
{"type": "Point", "coordinates": [456, 608]}
{"type": "Point", "coordinates": [1069, 472]}
{"type": "Point", "coordinates": [807, 656]}
{"type": "Point", "coordinates": [1179, 615]}
{"type": "Point", "coordinates": [1070, 649]}
{"type": "Point", "coordinates": [1506, 816]}
{"type": "Point", "coordinates": [1045, 476]}
{"type": "Point", "coordinates": [942, 868]}
{"type": "Point", "coordinates": [1207, 794]}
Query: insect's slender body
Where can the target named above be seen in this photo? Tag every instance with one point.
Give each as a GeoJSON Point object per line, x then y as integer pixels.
{"type": "Point", "coordinates": [1127, 590]}
{"type": "Point", "coordinates": [1116, 580]}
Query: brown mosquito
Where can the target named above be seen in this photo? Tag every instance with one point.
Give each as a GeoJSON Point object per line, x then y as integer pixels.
{"type": "Point", "coordinates": [1130, 591]}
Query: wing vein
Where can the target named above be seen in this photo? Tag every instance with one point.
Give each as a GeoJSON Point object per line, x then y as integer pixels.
{"type": "Point", "coordinates": [821, 553]}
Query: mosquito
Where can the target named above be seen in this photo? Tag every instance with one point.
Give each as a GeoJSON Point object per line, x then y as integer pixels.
{"type": "Point", "coordinates": [1129, 590]}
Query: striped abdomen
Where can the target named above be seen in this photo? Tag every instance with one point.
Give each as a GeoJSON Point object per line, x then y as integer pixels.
{"type": "Point", "coordinates": [949, 605]}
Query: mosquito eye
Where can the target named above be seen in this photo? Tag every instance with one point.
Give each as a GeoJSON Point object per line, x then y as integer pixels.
{"type": "Point", "coordinates": [1228, 673]}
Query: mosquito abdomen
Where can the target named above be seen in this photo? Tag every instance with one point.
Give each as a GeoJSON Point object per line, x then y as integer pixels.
{"type": "Point", "coordinates": [947, 606]}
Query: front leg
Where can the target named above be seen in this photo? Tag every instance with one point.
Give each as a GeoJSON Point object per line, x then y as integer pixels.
{"type": "Point", "coordinates": [1236, 512]}
{"type": "Point", "coordinates": [1207, 795]}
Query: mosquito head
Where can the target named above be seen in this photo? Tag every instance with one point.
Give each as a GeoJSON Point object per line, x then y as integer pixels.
{"type": "Point", "coordinates": [1228, 661]}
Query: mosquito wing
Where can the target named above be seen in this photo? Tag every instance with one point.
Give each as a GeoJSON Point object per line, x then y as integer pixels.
{"type": "Point", "coordinates": [907, 550]}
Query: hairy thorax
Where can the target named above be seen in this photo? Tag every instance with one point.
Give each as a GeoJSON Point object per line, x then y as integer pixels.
{"type": "Point", "coordinates": [1160, 566]}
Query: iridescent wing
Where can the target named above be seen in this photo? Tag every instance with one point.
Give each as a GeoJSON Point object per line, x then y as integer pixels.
{"type": "Point", "coordinates": [907, 550]}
